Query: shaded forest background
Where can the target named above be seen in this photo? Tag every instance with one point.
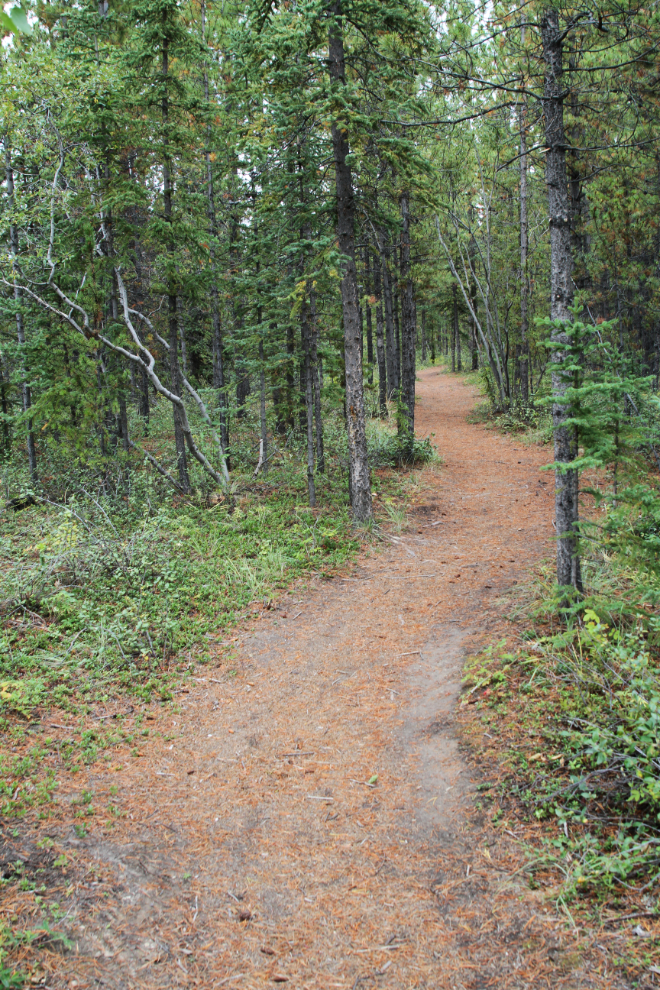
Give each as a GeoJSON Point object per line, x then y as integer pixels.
{"type": "Point", "coordinates": [176, 181]}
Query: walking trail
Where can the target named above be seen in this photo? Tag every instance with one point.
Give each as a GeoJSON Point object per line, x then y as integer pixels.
{"type": "Point", "coordinates": [309, 821]}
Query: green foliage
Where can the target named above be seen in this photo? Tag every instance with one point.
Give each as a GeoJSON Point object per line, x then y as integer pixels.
{"type": "Point", "coordinates": [102, 590]}
{"type": "Point", "coordinates": [10, 979]}
{"type": "Point", "coordinates": [591, 692]}
{"type": "Point", "coordinates": [15, 21]}
{"type": "Point", "coordinates": [613, 702]}
{"type": "Point", "coordinates": [609, 406]}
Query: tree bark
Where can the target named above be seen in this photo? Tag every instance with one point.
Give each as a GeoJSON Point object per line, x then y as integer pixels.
{"type": "Point", "coordinates": [262, 399]}
{"type": "Point", "coordinates": [309, 397]}
{"type": "Point", "coordinates": [561, 298]}
{"type": "Point", "coordinates": [317, 383]}
{"type": "Point", "coordinates": [390, 351]}
{"type": "Point", "coordinates": [380, 343]}
{"type": "Point", "coordinates": [397, 326]}
{"type": "Point", "coordinates": [360, 480]}
{"type": "Point", "coordinates": [524, 247]}
{"type": "Point", "coordinates": [218, 361]}
{"type": "Point", "coordinates": [370, 334]}
{"type": "Point", "coordinates": [175, 379]}
{"type": "Point", "coordinates": [408, 357]}
{"type": "Point", "coordinates": [123, 422]}
{"type": "Point", "coordinates": [454, 329]}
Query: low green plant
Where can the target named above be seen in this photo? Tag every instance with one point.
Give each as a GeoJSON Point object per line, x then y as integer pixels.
{"type": "Point", "coordinates": [397, 516]}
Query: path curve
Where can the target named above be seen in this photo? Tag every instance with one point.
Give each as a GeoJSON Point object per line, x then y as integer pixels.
{"type": "Point", "coordinates": [306, 821]}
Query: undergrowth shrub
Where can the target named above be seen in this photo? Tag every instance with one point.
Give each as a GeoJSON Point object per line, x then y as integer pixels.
{"type": "Point", "coordinates": [605, 772]}
{"type": "Point", "coordinates": [577, 710]}
{"type": "Point", "coordinates": [105, 589]}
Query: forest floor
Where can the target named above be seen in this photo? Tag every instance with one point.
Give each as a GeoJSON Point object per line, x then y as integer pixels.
{"type": "Point", "coordinates": [306, 817]}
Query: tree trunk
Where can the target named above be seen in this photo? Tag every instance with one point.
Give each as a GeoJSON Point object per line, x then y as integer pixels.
{"type": "Point", "coordinates": [561, 297]}
{"type": "Point", "coordinates": [360, 480]}
{"type": "Point", "coordinates": [175, 383]}
{"type": "Point", "coordinates": [317, 383]}
{"type": "Point", "coordinates": [390, 352]}
{"type": "Point", "coordinates": [262, 401]}
{"type": "Point", "coordinates": [5, 408]}
{"type": "Point", "coordinates": [474, 294]}
{"type": "Point", "coordinates": [397, 329]}
{"type": "Point", "coordinates": [123, 422]}
{"type": "Point", "coordinates": [475, 349]}
{"type": "Point", "coordinates": [408, 370]}
{"type": "Point", "coordinates": [454, 331]}
{"type": "Point", "coordinates": [218, 357]}
{"type": "Point", "coordinates": [183, 342]}
{"type": "Point", "coordinates": [290, 416]}
{"type": "Point", "coordinates": [242, 380]}
{"type": "Point", "coordinates": [380, 343]}
{"type": "Point", "coordinates": [578, 204]}
{"type": "Point", "coordinates": [459, 349]}
{"type": "Point", "coordinates": [370, 335]}
{"type": "Point", "coordinates": [423, 335]}
{"type": "Point", "coordinates": [309, 397]}
{"type": "Point", "coordinates": [370, 345]}
{"type": "Point", "coordinates": [219, 375]}
{"type": "Point", "coordinates": [26, 393]}
{"type": "Point", "coordinates": [144, 401]}
{"type": "Point", "coordinates": [524, 244]}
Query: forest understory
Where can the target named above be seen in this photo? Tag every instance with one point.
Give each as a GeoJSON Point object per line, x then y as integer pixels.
{"type": "Point", "coordinates": [308, 802]}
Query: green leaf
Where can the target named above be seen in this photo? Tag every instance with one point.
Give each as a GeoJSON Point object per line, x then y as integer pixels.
{"type": "Point", "coordinates": [19, 18]}
{"type": "Point", "coordinates": [6, 22]}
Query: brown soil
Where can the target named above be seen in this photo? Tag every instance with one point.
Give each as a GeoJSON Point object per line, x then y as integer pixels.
{"type": "Point", "coordinates": [309, 819]}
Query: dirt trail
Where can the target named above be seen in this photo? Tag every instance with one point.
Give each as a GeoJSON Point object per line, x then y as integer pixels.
{"type": "Point", "coordinates": [258, 851]}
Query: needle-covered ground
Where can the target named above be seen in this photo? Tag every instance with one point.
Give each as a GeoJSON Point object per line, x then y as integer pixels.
{"type": "Point", "coordinates": [303, 815]}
